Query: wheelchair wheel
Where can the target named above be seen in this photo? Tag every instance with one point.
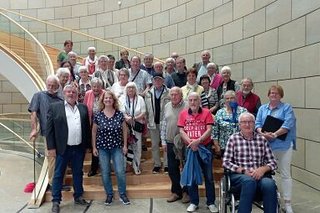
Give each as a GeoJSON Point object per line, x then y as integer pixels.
{"type": "Point", "coordinates": [223, 195]}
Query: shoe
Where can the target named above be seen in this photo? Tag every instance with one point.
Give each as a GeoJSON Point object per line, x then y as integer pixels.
{"type": "Point", "coordinates": [55, 207]}
{"type": "Point", "coordinates": [92, 173]}
{"type": "Point", "coordinates": [174, 197]}
{"type": "Point", "coordinates": [108, 200]}
{"type": "Point", "coordinates": [66, 188]}
{"type": "Point", "coordinates": [166, 170]}
{"type": "Point", "coordinates": [81, 201]}
{"type": "Point", "coordinates": [136, 168]}
{"type": "Point", "coordinates": [156, 170]}
{"type": "Point", "coordinates": [288, 208]}
{"type": "Point", "coordinates": [192, 208]}
{"type": "Point", "coordinates": [212, 208]}
{"type": "Point", "coordinates": [185, 198]}
{"type": "Point", "coordinates": [124, 199]}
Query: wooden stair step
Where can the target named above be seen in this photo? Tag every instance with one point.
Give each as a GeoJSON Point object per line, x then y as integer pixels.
{"type": "Point", "coordinates": [148, 190]}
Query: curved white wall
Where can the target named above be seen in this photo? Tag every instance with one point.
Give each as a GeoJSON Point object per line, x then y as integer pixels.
{"type": "Point", "coordinates": [11, 71]}
{"type": "Point", "coordinates": [272, 41]}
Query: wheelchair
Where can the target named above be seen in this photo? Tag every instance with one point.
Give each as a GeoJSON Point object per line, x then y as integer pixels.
{"type": "Point", "coordinates": [229, 196]}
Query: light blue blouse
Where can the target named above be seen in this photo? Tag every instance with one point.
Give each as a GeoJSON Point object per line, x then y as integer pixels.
{"type": "Point", "coordinates": [284, 112]}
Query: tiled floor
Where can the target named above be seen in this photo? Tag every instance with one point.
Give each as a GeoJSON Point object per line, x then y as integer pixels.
{"type": "Point", "coordinates": [16, 171]}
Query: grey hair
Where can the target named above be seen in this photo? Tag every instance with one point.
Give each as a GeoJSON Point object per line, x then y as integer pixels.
{"type": "Point", "coordinates": [175, 88]}
{"type": "Point", "coordinates": [206, 51]}
{"type": "Point", "coordinates": [72, 53]}
{"type": "Point", "coordinates": [125, 70]}
{"type": "Point", "coordinates": [103, 56]}
{"type": "Point", "coordinates": [211, 64]}
{"type": "Point", "coordinates": [229, 92]}
{"type": "Point", "coordinates": [194, 94]}
{"type": "Point", "coordinates": [148, 55]}
{"type": "Point", "coordinates": [170, 60]}
{"type": "Point", "coordinates": [62, 70]}
{"type": "Point", "coordinates": [70, 86]}
{"type": "Point", "coordinates": [227, 69]}
{"type": "Point", "coordinates": [246, 114]}
{"type": "Point", "coordinates": [83, 68]}
{"type": "Point", "coordinates": [247, 79]}
{"type": "Point", "coordinates": [130, 84]}
{"type": "Point", "coordinates": [96, 81]}
{"type": "Point", "coordinates": [52, 77]}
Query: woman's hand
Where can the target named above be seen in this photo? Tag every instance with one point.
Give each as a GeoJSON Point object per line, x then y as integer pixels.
{"type": "Point", "coordinates": [95, 152]}
{"type": "Point", "coordinates": [124, 150]}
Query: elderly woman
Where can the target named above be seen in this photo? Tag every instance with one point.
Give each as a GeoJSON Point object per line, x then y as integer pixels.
{"type": "Point", "coordinates": [67, 64]}
{"type": "Point", "coordinates": [109, 142]}
{"type": "Point", "coordinates": [211, 93]}
{"type": "Point", "coordinates": [107, 75]}
{"type": "Point", "coordinates": [124, 60]}
{"type": "Point", "coordinates": [192, 86]}
{"type": "Point", "coordinates": [213, 72]}
{"type": "Point", "coordinates": [118, 87]}
{"type": "Point", "coordinates": [84, 83]}
{"type": "Point", "coordinates": [134, 109]}
{"type": "Point", "coordinates": [91, 100]}
{"type": "Point", "coordinates": [63, 74]}
{"type": "Point", "coordinates": [170, 66]}
{"type": "Point", "coordinates": [282, 148]}
{"type": "Point", "coordinates": [91, 61]}
{"type": "Point", "coordinates": [226, 121]}
{"type": "Point", "coordinates": [72, 57]}
{"type": "Point", "coordinates": [227, 84]}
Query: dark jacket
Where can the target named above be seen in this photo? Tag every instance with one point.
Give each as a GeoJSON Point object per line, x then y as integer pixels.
{"type": "Point", "coordinates": [57, 127]}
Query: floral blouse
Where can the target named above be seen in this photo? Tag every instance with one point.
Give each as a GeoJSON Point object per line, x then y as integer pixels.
{"type": "Point", "coordinates": [225, 125]}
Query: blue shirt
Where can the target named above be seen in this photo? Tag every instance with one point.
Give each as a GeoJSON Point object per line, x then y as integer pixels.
{"type": "Point", "coordinates": [284, 112]}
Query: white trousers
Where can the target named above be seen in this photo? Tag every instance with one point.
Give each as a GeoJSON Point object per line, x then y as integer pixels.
{"type": "Point", "coordinates": [284, 166]}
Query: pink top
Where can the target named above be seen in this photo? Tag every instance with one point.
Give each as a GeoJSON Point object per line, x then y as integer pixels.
{"type": "Point", "coordinates": [216, 81]}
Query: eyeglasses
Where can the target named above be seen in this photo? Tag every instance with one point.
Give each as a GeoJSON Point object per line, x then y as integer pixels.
{"type": "Point", "coordinates": [247, 122]}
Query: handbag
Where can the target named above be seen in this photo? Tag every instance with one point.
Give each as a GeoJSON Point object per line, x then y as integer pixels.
{"type": "Point", "coordinates": [138, 127]}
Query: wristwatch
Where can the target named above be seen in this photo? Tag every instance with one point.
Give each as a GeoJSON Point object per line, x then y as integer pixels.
{"type": "Point", "coordinates": [243, 171]}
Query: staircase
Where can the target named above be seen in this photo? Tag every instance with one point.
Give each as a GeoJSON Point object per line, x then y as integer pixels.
{"type": "Point", "coordinates": [146, 185]}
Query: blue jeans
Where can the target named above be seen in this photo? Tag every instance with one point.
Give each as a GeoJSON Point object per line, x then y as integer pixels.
{"type": "Point", "coordinates": [209, 183]}
{"type": "Point", "coordinates": [249, 187]}
{"type": "Point", "coordinates": [75, 155]}
{"type": "Point", "coordinates": [105, 156]}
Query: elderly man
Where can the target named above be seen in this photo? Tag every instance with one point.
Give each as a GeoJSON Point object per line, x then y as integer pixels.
{"type": "Point", "coordinates": [170, 66]}
{"type": "Point", "coordinates": [39, 107]}
{"type": "Point", "coordinates": [139, 76]}
{"type": "Point", "coordinates": [251, 165]}
{"type": "Point", "coordinates": [246, 98]}
{"type": "Point", "coordinates": [202, 66]}
{"type": "Point", "coordinates": [148, 64]}
{"type": "Point", "coordinates": [169, 130]}
{"type": "Point", "coordinates": [156, 98]}
{"type": "Point", "coordinates": [195, 124]}
{"type": "Point", "coordinates": [68, 137]}
{"type": "Point", "coordinates": [168, 81]}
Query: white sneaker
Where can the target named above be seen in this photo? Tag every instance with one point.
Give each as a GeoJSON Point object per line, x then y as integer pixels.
{"type": "Point", "coordinates": [288, 208]}
{"type": "Point", "coordinates": [213, 208]}
{"type": "Point", "coordinates": [192, 208]}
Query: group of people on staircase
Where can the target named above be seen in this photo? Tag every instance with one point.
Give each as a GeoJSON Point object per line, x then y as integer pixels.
{"type": "Point", "coordinates": [109, 107]}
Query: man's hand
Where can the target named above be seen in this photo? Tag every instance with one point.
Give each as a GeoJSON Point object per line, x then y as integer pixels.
{"type": "Point", "coordinates": [52, 153]}
{"type": "Point", "coordinates": [258, 173]}
{"type": "Point", "coordinates": [193, 144]}
{"type": "Point", "coordinates": [33, 134]}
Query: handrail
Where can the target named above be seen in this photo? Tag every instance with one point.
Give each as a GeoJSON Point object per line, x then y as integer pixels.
{"type": "Point", "coordinates": [37, 80]}
{"type": "Point", "coordinates": [18, 136]}
{"type": "Point", "coordinates": [76, 32]}
{"type": "Point", "coordinates": [49, 65]}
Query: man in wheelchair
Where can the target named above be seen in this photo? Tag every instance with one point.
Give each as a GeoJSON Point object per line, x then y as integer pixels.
{"type": "Point", "coordinates": [250, 161]}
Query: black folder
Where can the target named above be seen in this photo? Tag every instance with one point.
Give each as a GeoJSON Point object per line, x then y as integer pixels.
{"type": "Point", "coordinates": [272, 124]}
